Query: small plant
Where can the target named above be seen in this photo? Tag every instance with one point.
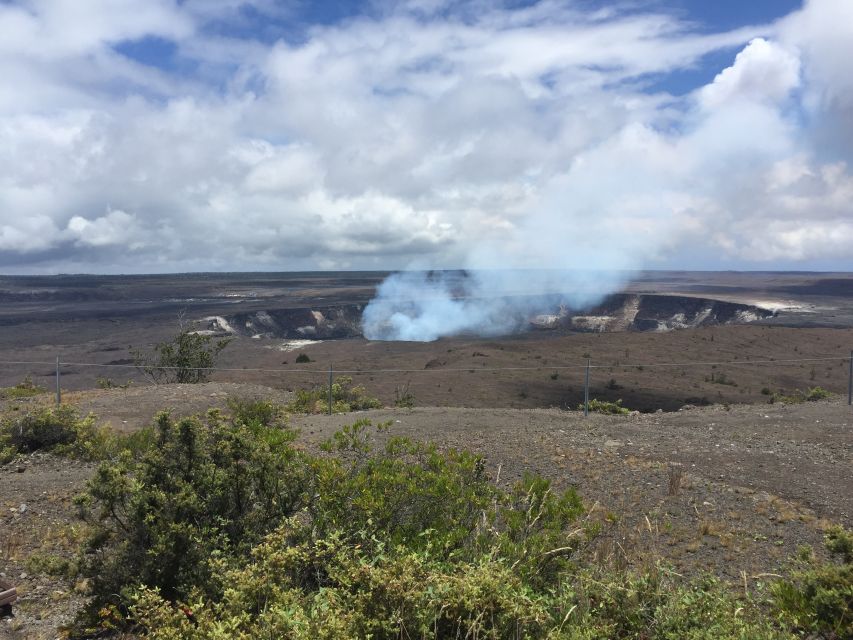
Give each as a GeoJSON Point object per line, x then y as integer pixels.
{"type": "Point", "coordinates": [603, 406]}
{"type": "Point", "coordinates": [812, 394]}
{"type": "Point", "coordinates": [611, 384]}
{"type": "Point", "coordinates": [26, 388]}
{"type": "Point", "coordinates": [187, 358]}
{"type": "Point", "coordinates": [721, 378]}
{"type": "Point", "coordinates": [818, 598]}
{"type": "Point", "coordinates": [107, 383]}
{"type": "Point", "coordinates": [256, 412]}
{"type": "Point", "coordinates": [59, 429]}
{"type": "Point", "coordinates": [345, 398]}
{"type": "Point", "coordinates": [403, 397]}
{"type": "Point", "coordinates": [302, 358]}
{"type": "Point", "coordinates": [816, 393]}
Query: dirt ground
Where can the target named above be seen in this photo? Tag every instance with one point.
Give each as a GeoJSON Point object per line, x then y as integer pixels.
{"type": "Point", "coordinates": [757, 481]}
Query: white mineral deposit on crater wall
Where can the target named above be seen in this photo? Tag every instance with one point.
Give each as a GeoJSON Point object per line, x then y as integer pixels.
{"type": "Point", "coordinates": [295, 345]}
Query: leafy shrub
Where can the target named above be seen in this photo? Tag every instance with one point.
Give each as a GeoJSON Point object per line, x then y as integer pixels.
{"type": "Point", "coordinates": [59, 429]}
{"type": "Point", "coordinates": [399, 593]}
{"type": "Point", "coordinates": [201, 491]}
{"type": "Point", "coordinates": [390, 541]}
{"type": "Point", "coordinates": [256, 412]}
{"type": "Point", "coordinates": [603, 406]}
{"type": "Point", "coordinates": [303, 358]}
{"type": "Point", "coordinates": [107, 383]}
{"type": "Point", "coordinates": [819, 595]}
{"type": "Point", "coordinates": [26, 388]}
{"type": "Point", "coordinates": [811, 394]}
{"type": "Point", "coordinates": [816, 393]}
{"type": "Point", "coordinates": [345, 398]}
{"type": "Point", "coordinates": [189, 357]}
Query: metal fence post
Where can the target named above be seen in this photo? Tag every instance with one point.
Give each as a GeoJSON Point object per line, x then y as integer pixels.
{"type": "Point", "coordinates": [330, 389]}
{"type": "Point", "coordinates": [850, 382]}
{"type": "Point", "coordinates": [586, 391]}
{"type": "Point", "coordinates": [58, 388]}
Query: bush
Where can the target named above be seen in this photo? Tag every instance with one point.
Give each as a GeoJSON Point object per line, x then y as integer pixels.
{"type": "Point", "coordinates": [345, 398]}
{"type": "Point", "coordinates": [809, 395]}
{"type": "Point", "coordinates": [302, 358]}
{"type": "Point", "coordinates": [60, 430]}
{"type": "Point", "coordinates": [398, 540]}
{"type": "Point", "coordinates": [403, 397]}
{"type": "Point", "coordinates": [816, 393]}
{"type": "Point", "coordinates": [603, 406]}
{"type": "Point", "coordinates": [818, 597]}
{"type": "Point", "coordinates": [256, 412]}
{"type": "Point", "coordinates": [189, 357]}
{"type": "Point", "coordinates": [203, 490]}
{"type": "Point", "coordinates": [26, 388]}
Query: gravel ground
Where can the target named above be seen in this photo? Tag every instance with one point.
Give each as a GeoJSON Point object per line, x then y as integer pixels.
{"type": "Point", "coordinates": [756, 481]}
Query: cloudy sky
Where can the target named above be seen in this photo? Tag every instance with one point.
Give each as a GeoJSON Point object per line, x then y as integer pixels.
{"type": "Point", "coordinates": [164, 135]}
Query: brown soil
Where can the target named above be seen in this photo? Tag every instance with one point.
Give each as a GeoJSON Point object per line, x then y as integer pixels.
{"type": "Point", "coordinates": [758, 481]}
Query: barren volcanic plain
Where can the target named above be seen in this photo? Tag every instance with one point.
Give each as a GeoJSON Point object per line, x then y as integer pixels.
{"type": "Point", "coordinates": [659, 318]}
{"type": "Point", "coordinates": [759, 480]}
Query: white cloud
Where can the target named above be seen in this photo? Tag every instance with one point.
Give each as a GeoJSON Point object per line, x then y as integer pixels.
{"type": "Point", "coordinates": [763, 71]}
{"type": "Point", "coordinates": [115, 228]}
{"type": "Point", "coordinates": [413, 135]}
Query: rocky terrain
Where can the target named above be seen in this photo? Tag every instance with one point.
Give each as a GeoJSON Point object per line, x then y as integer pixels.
{"type": "Point", "coordinates": [733, 490]}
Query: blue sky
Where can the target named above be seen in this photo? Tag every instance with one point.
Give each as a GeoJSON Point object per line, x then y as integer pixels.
{"type": "Point", "coordinates": [255, 134]}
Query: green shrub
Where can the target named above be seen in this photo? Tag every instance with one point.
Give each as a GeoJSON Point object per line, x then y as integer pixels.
{"type": "Point", "coordinates": [603, 406]}
{"type": "Point", "coordinates": [345, 398]}
{"type": "Point", "coordinates": [302, 358]}
{"type": "Point", "coordinates": [816, 393]}
{"type": "Point", "coordinates": [811, 394]}
{"type": "Point", "coordinates": [60, 430]}
{"type": "Point", "coordinates": [107, 383]}
{"type": "Point", "coordinates": [256, 412]}
{"type": "Point", "coordinates": [398, 593]}
{"type": "Point", "coordinates": [818, 597]}
{"type": "Point", "coordinates": [202, 490]}
{"type": "Point", "coordinates": [26, 388]}
{"type": "Point", "coordinates": [393, 541]}
{"type": "Point", "coordinates": [189, 357]}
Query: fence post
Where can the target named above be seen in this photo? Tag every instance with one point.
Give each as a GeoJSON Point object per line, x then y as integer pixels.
{"type": "Point", "coordinates": [330, 388]}
{"type": "Point", "coordinates": [850, 382]}
{"type": "Point", "coordinates": [586, 391]}
{"type": "Point", "coordinates": [58, 388]}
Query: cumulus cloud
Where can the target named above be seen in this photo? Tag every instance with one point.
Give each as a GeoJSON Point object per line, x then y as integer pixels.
{"type": "Point", "coordinates": [421, 134]}
{"type": "Point", "coordinates": [114, 228]}
{"type": "Point", "coordinates": [762, 71]}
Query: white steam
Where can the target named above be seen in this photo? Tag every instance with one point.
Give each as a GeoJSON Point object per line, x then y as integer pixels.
{"type": "Point", "coordinates": [623, 203]}
{"type": "Point", "coordinates": [424, 306]}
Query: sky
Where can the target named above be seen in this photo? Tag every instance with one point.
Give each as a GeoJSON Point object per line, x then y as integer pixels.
{"type": "Point", "coordinates": [142, 136]}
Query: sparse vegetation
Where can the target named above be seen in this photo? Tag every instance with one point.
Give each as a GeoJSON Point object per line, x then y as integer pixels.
{"type": "Point", "coordinates": [107, 383]}
{"type": "Point", "coordinates": [26, 388]}
{"type": "Point", "coordinates": [345, 398]}
{"type": "Point", "coordinates": [612, 385]}
{"type": "Point", "coordinates": [61, 430]}
{"type": "Point", "coordinates": [187, 358]}
{"type": "Point", "coordinates": [811, 394]}
{"type": "Point", "coordinates": [818, 597]}
{"type": "Point", "coordinates": [403, 396]}
{"type": "Point", "coordinates": [604, 406]}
